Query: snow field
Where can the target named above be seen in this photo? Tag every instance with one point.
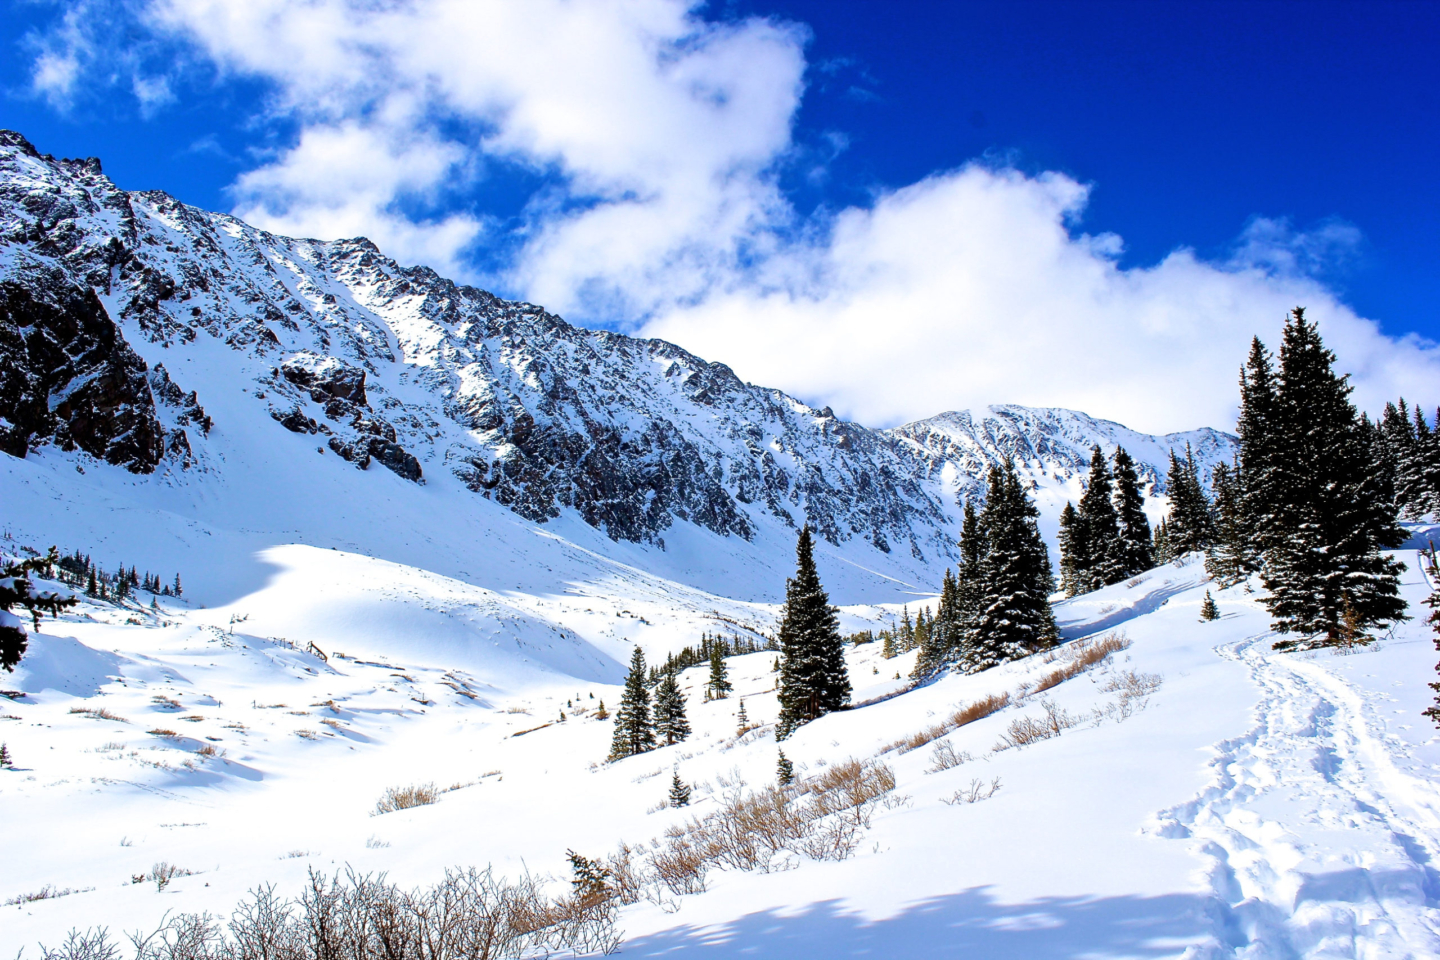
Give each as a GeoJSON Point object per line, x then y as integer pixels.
{"type": "Point", "coordinates": [1255, 805]}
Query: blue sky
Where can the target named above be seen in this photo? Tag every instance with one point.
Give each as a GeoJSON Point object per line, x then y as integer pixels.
{"type": "Point", "coordinates": [1290, 146]}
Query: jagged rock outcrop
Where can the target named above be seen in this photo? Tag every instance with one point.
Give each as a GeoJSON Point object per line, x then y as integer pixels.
{"type": "Point", "coordinates": [380, 363]}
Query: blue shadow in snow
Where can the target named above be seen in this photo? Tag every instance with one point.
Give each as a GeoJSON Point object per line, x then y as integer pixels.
{"type": "Point", "coordinates": [1080, 626]}
{"type": "Point", "coordinates": [967, 925]}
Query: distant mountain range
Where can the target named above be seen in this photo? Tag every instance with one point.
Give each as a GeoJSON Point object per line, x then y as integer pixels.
{"type": "Point", "coordinates": [174, 342]}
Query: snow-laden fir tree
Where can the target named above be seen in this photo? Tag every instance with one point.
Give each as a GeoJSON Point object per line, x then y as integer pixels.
{"type": "Point", "coordinates": [1406, 460]}
{"type": "Point", "coordinates": [1136, 553]}
{"type": "Point", "coordinates": [1104, 560]}
{"type": "Point", "coordinates": [1230, 558]}
{"type": "Point", "coordinates": [1016, 579]}
{"type": "Point", "coordinates": [679, 791]}
{"type": "Point", "coordinates": [16, 590]}
{"type": "Point", "coordinates": [1074, 557]}
{"type": "Point", "coordinates": [968, 588]}
{"type": "Point", "coordinates": [633, 730]}
{"type": "Point", "coordinates": [742, 719]}
{"type": "Point", "coordinates": [939, 642]}
{"type": "Point", "coordinates": [1327, 577]}
{"type": "Point", "coordinates": [7, 762]}
{"type": "Point", "coordinates": [785, 770]}
{"type": "Point", "coordinates": [1433, 602]}
{"type": "Point", "coordinates": [813, 678]}
{"type": "Point", "coordinates": [1161, 543]}
{"type": "Point", "coordinates": [718, 687]}
{"type": "Point", "coordinates": [1261, 457]}
{"type": "Point", "coordinates": [671, 724]}
{"type": "Point", "coordinates": [1209, 610]}
{"type": "Point", "coordinates": [1190, 526]}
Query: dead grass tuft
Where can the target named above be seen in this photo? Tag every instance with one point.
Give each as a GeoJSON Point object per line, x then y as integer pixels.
{"type": "Point", "coordinates": [403, 798]}
{"type": "Point", "coordinates": [1082, 655]}
{"type": "Point", "coordinates": [978, 710]}
{"type": "Point", "coordinates": [98, 713]}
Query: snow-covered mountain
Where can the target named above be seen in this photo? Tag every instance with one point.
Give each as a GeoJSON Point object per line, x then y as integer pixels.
{"type": "Point", "coordinates": [212, 361]}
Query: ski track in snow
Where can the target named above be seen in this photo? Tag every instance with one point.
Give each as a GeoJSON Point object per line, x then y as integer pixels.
{"type": "Point", "coordinates": [1308, 858]}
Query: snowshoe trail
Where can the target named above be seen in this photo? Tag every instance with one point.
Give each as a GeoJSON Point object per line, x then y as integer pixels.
{"type": "Point", "coordinates": [1307, 858]}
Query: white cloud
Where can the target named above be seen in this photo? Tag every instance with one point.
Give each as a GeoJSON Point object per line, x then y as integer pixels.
{"type": "Point", "coordinates": [659, 136]}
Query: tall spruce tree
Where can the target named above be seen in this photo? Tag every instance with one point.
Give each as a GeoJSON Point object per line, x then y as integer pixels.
{"type": "Point", "coordinates": [813, 678]}
{"type": "Point", "coordinates": [1074, 559]}
{"type": "Point", "coordinates": [1016, 578]}
{"type": "Point", "coordinates": [1096, 514]}
{"type": "Point", "coordinates": [1327, 578]}
{"type": "Point", "coordinates": [718, 687]}
{"type": "Point", "coordinates": [1406, 459]}
{"type": "Point", "coordinates": [1136, 552]}
{"type": "Point", "coordinates": [968, 582]}
{"type": "Point", "coordinates": [1161, 543]}
{"type": "Point", "coordinates": [1228, 560]}
{"type": "Point", "coordinates": [671, 724]}
{"type": "Point", "coordinates": [1262, 454]}
{"type": "Point", "coordinates": [1427, 457]}
{"type": "Point", "coordinates": [1191, 525]}
{"type": "Point", "coordinates": [937, 644]}
{"type": "Point", "coordinates": [633, 730]}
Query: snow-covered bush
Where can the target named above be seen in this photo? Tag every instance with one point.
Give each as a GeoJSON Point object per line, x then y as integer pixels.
{"type": "Point", "coordinates": [403, 798]}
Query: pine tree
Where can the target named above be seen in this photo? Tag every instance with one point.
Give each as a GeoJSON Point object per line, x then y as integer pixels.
{"type": "Point", "coordinates": [718, 687]}
{"type": "Point", "coordinates": [1074, 557]}
{"type": "Point", "coordinates": [1208, 609]}
{"type": "Point", "coordinates": [1427, 464]}
{"type": "Point", "coordinates": [1406, 459]}
{"type": "Point", "coordinates": [1137, 554]}
{"type": "Point", "coordinates": [633, 731]}
{"type": "Point", "coordinates": [8, 763]}
{"type": "Point", "coordinates": [1016, 578]}
{"type": "Point", "coordinates": [601, 713]}
{"type": "Point", "coordinates": [176, 589]}
{"type": "Point", "coordinates": [784, 770]}
{"type": "Point", "coordinates": [1262, 454]}
{"type": "Point", "coordinates": [679, 791]}
{"type": "Point", "coordinates": [1191, 526]}
{"type": "Point", "coordinates": [1326, 575]}
{"type": "Point", "coordinates": [1433, 602]}
{"type": "Point", "coordinates": [813, 678]}
{"type": "Point", "coordinates": [671, 724]}
{"type": "Point", "coordinates": [941, 641]}
{"type": "Point", "coordinates": [1228, 561]}
{"type": "Point", "coordinates": [742, 720]}
{"type": "Point", "coordinates": [591, 877]}
{"type": "Point", "coordinates": [1096, 515]}
{"type": "Point", "coordinates": [1161, 543]}
{"type": "Point", "coordinates": [968, 584]}
{"type": "Point", "coordinates": [16, 590]}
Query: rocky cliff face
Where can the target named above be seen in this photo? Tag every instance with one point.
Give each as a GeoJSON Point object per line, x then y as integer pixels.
{"type": "Point", "coordinates": [396, 366]}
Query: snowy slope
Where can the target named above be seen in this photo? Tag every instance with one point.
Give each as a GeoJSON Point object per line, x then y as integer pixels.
{"type": "Point", "coordinates": [239, 378]}
{"type": "Point", "coordinates": [1245, 804]}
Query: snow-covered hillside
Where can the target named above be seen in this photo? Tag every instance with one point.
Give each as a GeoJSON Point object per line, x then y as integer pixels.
{"type": "Point", "coordinates": [1204, 796]}
{"type": "Point", "coordinates": [238, 379]}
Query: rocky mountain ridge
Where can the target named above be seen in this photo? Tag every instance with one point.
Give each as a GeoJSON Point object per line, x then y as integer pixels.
{"type": "Point", "coordinates": [440, 382]}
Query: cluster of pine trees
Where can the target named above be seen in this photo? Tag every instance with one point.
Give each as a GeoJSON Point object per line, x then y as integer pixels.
{"type": "Point", "coordinates": [1412, 449]}
{"type": "Point", "coordinates": [1108, 539]}
{"type": "Point", "coordinates": [79, 570]}
{"type": "Point", "coordinates": [709, 647]}
{"type": "Point", "coordinates": [1310, 502]}
{"type": "Point", "coordinates": [638, 727]}
{"type": "Point", "coordinates": [1190, 526]}
{"type": "Point", "coordinates": [996, 607]}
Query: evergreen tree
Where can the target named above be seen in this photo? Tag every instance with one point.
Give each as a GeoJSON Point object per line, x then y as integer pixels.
{"type": "Point", "coordinates": [1191, 526]}
{"type": "Point", "coordinates": [1105, 559]}
{"type": "Point", "coordinates": [1136, 552]}
{"type": "Point", "coordinates": [1229, 559]}
{"type": "Point", "coordinates": [813, 679]}
{"type": "Point", "coordinates": [1427, 460]}
{"type": "Point", "coordinates": [1016, 578]}
{"type": "Point", "coordinates": [7, 762]}
{"type": "Point", "coordinates": [679, 791]}
{"type": "Point", "coordinates": [942, 640]}
{"type": "Point", "coordinates": [718, 688]}
{"type": "Point", "coordinates": [1262, 455]}
{"type": "Point", "coordinates": [1162, 550]}
{"type": "Point", "coordinates": [1074, 557]}
{"type": "Point", "coordinates": [742, 719]}
{"type": "Point", "coordinates": [968, 593]}
{"type": "Point", "coordinates": [671, 725]}
{"type": "Point", "coordinates": [784, 770]}
{"type": "Point", "coordinates": [16, 590]}
{"type": "Point", "coordinates": [633, 731]}
{"type": "Point", "coordinates": [601, 713]}
{"type": "Point", "coordinates": [1433, 602]}
{"type": "Point", "coordinates": [1406, 459]}
{"type": "Point", "coordinates": [1327, 577]}
{"type": "Point", "coordinates": [591, 877]}
{"type": "Point", "coordinates": [1208, 609]}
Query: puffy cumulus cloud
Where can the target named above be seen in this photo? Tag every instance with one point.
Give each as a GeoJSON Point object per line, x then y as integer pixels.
{"type": "Point", "coordinates": [657, 137]}
{"type": "Point", "coordinates": [968, 289]}
{"type": "Point", "coordinates": [659, 130]}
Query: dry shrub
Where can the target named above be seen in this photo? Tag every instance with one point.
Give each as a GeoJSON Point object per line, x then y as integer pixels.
{"type": "Point", "coordinates": [471, 914]}
{"type": "Point", "coordinates": [1134, 691]}
{"type": "Point", "coordinates": [945, 757]}
{"type": "Point", "coordinates": [974, 793]}
{"type": "Point", "coordinates": [162, 873]}
{"type": "Point", "coordinates": [98, 713]}
{"type": "Point", "coordinates": [46, 892]}
{"type": "Point", "coordinates": [978, 710]}
{"type": "Point", "coordinates": [209, 750]}
{"type": "Point", "coordinates": [166, 734]}
{"type": "Point", "coordinates": [1028, 730]}
{"type": "Point", "coordinates": [403, 798]}
{"type": "Point", "coordinates": [1082, 655]}
{"type": "Point", "coordinates": [681, 860]}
